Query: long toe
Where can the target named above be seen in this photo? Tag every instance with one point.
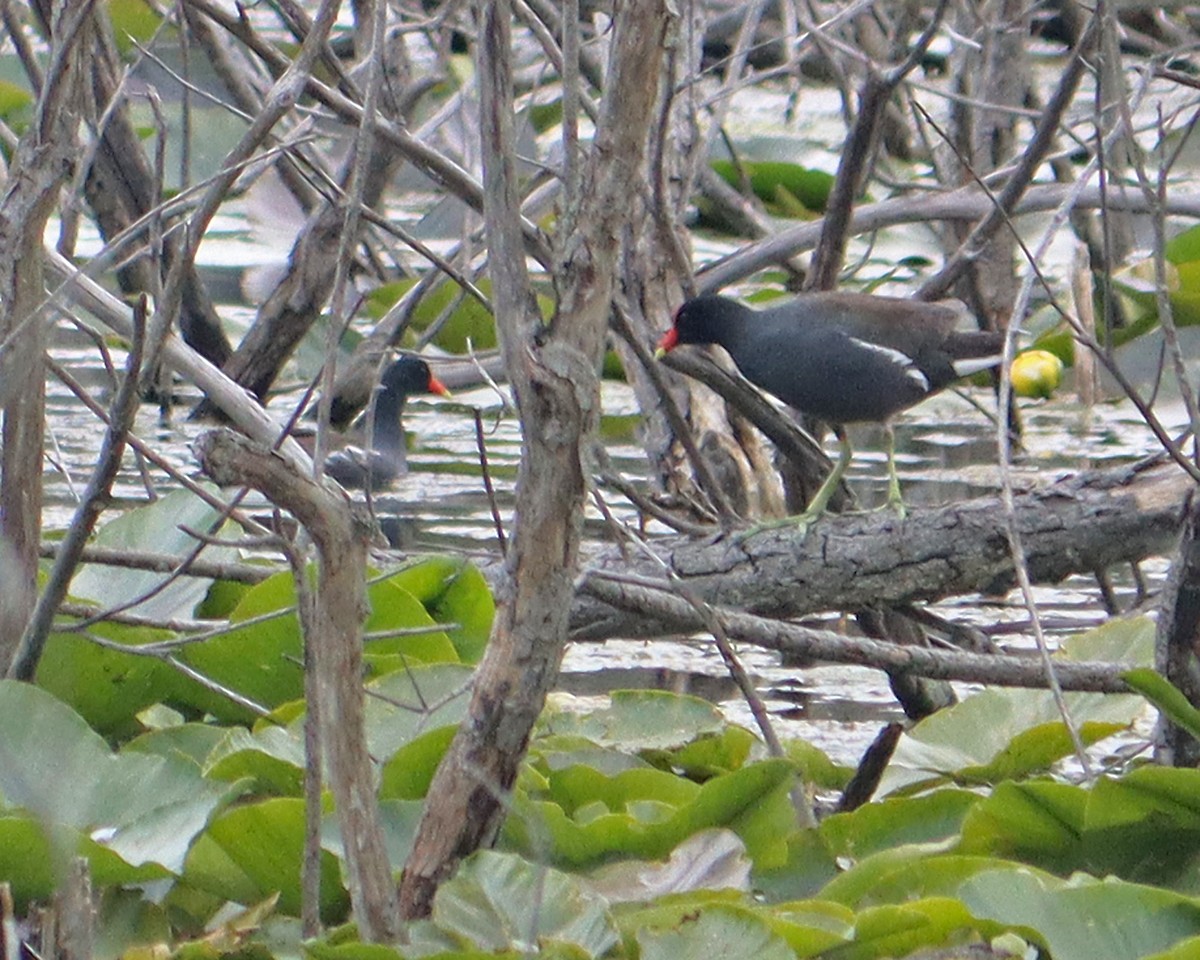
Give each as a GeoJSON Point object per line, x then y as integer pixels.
{"type": "Point", "coordinates": [800, 522]}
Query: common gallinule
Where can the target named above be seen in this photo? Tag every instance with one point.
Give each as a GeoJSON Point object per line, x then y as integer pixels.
{"type": "Point", "coordinates": [842, 358]}
{"type": "Point", "coordinates": [384, 459]}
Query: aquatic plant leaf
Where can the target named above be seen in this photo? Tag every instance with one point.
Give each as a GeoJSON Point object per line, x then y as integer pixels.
{"type": "Point", "coordinates": [145, 809]}
{"type": "Point", "coordinates": [253, 851]}
{"type": "Point", "coordinates": [271, 758]}
{"type": "Point", "coordinates": [638, 720]}
{"type": "Point", "coordinates": [455, 593]}
{"type": "Point", "coordinates": [34, 857]}
{"type": "Point", "coordinates": [16, 107]}
{"type": "Point", "coordinates": [407, 775]}
{"type": "Point", "coordinates": [896, 930]}
{"type": "Point", "coordinates": [263, 659]}
{"type": "Point", "coordinates": [107, 687]}
{"type": "Point", "coordinates": [1041, 823]}
{"type": "Point", "coordinates": [578, 786]}
{"type": "Point", "coordinates": [1000, 734]}
{"type": "Point", "coordinates": [710, 754]}
{"type": "Point", "coordinates": [1084, 918]}
{"type": "Point", "coordinates": [631, 814]}
{"type": "Point", "coordinates": [192, 741]}
{"type": "Point", "coordinates": [1144, 826]}
{"type": "Point", "coordinates": [469, 324]}
{"type": "Point", "coordinates": [354, 950]}
{"type": "Point", "coordinates": [806, 866]}
{"type": "Point", "coordinates": [709, 860]}
{"type": "Point", "coordinates": [806, 190]}
{"type": "Point", "coordinates": [499, 902]}
{"type": "Point", "coordinates": [1184, 247]}
{"type": "Point", "coordinates": [895, 822]}
{"type": "Point", "coordinates": [394, 608]}
{"type": "Point", "coordinates": [815, 767]}
{"type": "Point", "coordinates": [467, 602]}
{"type": "Point", "coordinates": [728, 931]}
{"type": "Point", "coordinates": [133, 21]}
{"type": "Point", "coordinates": [904, 873]}
{"type": "Point", "coordinates": [1166, 697]}
{"type": "Point", "coordinates": [407, 704]}
{"type": "Point", "coordinates": [156, 527]}
{"type": "Point", "coordinates": [811, 927]}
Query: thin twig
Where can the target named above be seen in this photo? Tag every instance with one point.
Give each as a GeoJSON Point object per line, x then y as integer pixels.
{"type": "Point", "coordinates": [488, 487]}
{"type": "Point", "coordinates": [96, 496]}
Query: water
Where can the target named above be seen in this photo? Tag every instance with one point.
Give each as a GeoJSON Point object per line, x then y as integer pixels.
{"type": "Point", "coordinates": [945, 452]}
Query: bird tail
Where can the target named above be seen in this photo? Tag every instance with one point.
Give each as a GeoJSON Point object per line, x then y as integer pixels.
{"type": "Point", "coordinates": [975, 350]}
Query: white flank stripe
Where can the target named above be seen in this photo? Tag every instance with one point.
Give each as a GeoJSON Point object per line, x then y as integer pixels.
{"type": "Point", "coordinates": [964, 368]}
{"type": "Point", "coordinates": [898, 357]}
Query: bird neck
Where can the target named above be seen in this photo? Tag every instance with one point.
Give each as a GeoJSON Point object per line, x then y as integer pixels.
{"type": "Point", "coordinates": [387, 433]}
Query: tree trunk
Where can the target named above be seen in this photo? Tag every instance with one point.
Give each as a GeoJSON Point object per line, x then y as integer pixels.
{"type": "Point", "coordinates": [121, 189]}
{"type": "Point", "coordinates": [1177, 643]}
{"type": "Point", "coordinates": [42, 163]}
{"type": "Point", "coordinates": [340, 532]}
{"type": "Point", "coordinates": [554, 375]}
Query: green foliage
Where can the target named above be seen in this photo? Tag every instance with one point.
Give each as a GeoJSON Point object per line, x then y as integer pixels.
{"type": "Point", "coordinates": [1169, 699]}
{"type": "Point", "coordinates": [255, 851]}
{"type": "Point", "coordinates": [462, 323]}
{"type": "Point", "coordinates": [259, 654]}
{"type": "Point", "coordinates": [646, 813]}
{"type": "Point", "coordinates": [16, 107]}
{"type": "Point", "coordinates": [650, 827]}
{"type": "Point", "coordinates": [787, 189]}
{"type": "Point", "coordinates": [501, 902]}
{"type": "Point", "coordinates": [1138, 288]}
{"type": "Point", "coordinates": [107, 687]}
{"type": "Point", "coordinates": [1000, 735]}
{"type": "Point", "coordinates": [133, 21]}
{"type": "Point", "coordinates": [156, 527]}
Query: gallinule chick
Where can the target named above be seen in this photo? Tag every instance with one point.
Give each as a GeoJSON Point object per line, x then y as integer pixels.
{"type": "Point", "coordinates": [384, 460]}
{"type": "Point", "coordinates": [842, 358]}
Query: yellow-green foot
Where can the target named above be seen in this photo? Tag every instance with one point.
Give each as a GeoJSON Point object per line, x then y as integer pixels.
{"type": "Point", "coordinates": [800, 523]}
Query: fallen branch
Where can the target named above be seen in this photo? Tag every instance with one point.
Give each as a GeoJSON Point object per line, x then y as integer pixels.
{"type": "Point", "coordinates": [1081, 524]}
{"type": "Point", "coordinates": [791, 639]}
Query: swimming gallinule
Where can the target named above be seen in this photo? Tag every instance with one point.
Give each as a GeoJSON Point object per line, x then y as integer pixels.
{"type": "Point", "coordinates": [384, 459]}
{"type": "Point", "coordinates": [842, 358]}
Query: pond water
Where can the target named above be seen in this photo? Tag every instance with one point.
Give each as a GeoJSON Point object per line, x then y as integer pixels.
{"type": "Point", "coordinates": [945, 451]}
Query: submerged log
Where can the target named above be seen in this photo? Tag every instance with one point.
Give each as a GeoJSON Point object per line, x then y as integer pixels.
{"type": "Point", "coordinates": [1083, 523]}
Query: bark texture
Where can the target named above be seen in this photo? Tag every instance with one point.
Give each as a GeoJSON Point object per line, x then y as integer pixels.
{"type": "Point", "coordinates": [1081, 524]}
{"type": "Point", "coordinates": [341, 533]}
{"type": "Point", "coordinates": [43, 161]}
{"type": "Point", "coordinates": [1178, 640]}
{"type": "Point", "coordinates": [554, 375]}
{"type": "Point", "coordinates": [121, 189]}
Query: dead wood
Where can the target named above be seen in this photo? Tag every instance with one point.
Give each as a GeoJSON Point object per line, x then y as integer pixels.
{"type": "Point", "coordinates": [121, 189]}
{"type": "Point", "coordinates": [553, 372]}
{"type": "Point", "coordinates": [341, 532]}
{"type": "Point", "coordinates": [40, 165]}
{"type": "Point", "coordinates": [1178, 639]}
{"type": "Point", "coordinates": [1080, 524]}
{"type": "Point", "coordinates": [794, 641]}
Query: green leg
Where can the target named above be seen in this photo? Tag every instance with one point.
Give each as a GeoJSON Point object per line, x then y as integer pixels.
{"type": "Point", "coordinates": [895, 501]}
{"type": "Point", "coordinates": [821, 498]}
{"type": "Point", "coordinates": [823, 495]}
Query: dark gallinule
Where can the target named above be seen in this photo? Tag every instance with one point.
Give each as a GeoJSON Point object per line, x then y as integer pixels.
{"type": "Point", "coordinates": [384, 459]}
{"type": "Point", "coordinates": [842, 358]}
